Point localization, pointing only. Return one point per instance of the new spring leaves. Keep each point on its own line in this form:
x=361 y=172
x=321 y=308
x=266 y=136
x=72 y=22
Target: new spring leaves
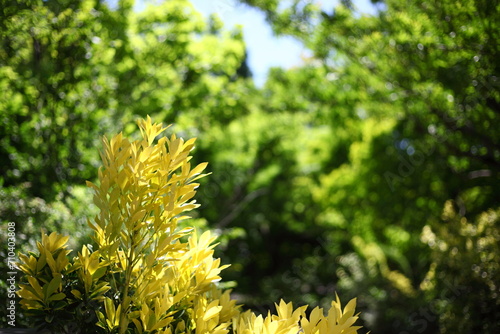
x=144 y=190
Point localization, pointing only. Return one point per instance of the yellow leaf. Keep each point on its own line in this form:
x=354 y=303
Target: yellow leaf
x=28 y=293
x=138 y=326
x=198 y=169
x=349 y=309
x=212 y=311
x=138 y=215
x=51 y=262
x=76 y=293
x=93 y=265
x=109 y=306
x=37 y=289
x=162 y=323
x=56 y=241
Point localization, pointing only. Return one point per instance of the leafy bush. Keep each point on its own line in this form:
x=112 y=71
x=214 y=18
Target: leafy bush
x=465 y=268
x=27 y=213
x=148 y=273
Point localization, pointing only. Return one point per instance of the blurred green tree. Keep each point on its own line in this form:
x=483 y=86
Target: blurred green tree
x=408 y=103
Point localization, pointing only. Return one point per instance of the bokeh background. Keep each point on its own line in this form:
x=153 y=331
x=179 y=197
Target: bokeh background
x=354 y=145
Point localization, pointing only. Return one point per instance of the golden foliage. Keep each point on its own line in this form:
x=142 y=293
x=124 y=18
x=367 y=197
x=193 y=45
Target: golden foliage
x=143 y=276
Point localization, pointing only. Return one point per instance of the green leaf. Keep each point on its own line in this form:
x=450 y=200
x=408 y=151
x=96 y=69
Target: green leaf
x=50 y=288
x=58 y=296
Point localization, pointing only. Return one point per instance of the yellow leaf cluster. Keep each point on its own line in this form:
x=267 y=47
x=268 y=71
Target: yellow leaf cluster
x=144 y=188
x=41 y=291
x=290 y=321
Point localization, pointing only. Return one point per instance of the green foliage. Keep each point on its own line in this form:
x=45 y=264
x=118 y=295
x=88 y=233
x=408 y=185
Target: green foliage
x=456 y=244
x=406 y=101
x=325 y=179
x=52 y=102
x=71 y=73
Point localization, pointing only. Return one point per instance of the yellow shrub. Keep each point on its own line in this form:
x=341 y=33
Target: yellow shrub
x=142 y=277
